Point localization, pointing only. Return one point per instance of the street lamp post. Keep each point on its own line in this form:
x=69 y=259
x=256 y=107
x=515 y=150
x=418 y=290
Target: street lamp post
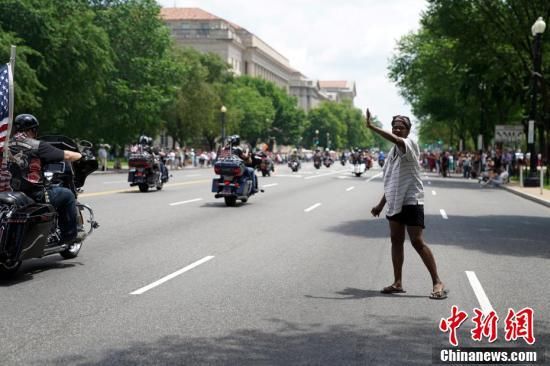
x=223 y=110
x=328 y=140
x=316 y=138
x=537 y=30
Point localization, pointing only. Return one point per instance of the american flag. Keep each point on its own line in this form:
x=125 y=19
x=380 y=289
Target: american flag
x=5 y=78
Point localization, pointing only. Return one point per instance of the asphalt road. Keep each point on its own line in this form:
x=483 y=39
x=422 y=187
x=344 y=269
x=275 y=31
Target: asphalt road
x=291 y=277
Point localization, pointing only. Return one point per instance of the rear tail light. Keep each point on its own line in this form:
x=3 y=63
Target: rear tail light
x=217 y=169
x=236 y=171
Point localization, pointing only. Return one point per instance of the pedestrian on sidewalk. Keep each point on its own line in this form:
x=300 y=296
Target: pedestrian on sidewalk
x=404 y=194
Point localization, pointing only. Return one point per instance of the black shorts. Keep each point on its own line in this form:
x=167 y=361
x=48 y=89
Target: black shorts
x=410 y=215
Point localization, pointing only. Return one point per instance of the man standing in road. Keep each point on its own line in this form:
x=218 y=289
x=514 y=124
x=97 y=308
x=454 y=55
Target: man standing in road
x=404 y=194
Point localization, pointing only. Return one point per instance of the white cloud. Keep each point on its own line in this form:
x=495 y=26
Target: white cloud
x=328 y=39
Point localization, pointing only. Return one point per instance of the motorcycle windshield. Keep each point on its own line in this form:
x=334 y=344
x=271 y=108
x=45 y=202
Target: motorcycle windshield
x=83 y=167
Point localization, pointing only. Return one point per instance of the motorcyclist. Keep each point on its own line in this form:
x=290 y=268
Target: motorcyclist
x=146 y=144
x=357 y=156
x=294 y=157
x=317 y=156
x=244 y=154
x=28 y=157
x=343 y=158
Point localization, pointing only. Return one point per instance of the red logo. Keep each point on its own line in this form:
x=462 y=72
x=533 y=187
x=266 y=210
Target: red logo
x=517 y=325
x=486 y=326
x=520 y=325
x=452 y=323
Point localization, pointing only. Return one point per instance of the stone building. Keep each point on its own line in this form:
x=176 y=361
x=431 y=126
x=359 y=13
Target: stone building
x=338 y=90
x=246 y=53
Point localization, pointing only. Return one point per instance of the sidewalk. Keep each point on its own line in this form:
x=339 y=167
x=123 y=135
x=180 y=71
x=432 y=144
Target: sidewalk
x=530 y=193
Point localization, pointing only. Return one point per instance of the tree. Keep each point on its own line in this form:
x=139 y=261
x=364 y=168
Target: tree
x=144 y=79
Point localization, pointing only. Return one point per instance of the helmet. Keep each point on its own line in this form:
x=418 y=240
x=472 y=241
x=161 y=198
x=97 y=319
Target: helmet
x=326 y=148
x=25 y=122
x=235 y=140
x=144 y=140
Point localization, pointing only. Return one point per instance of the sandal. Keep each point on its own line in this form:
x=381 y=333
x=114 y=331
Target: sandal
x=392 y=290
x=439 y=295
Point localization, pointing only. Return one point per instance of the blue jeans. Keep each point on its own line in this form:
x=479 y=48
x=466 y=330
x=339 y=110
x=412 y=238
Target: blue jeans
x=65 y=204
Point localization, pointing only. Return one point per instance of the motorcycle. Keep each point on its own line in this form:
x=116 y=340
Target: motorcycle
x=294 y=165
x=317 y=162
x=328 y=162
x=233 y=184
x=359 y=167
x=29 y=229
x=343 y=160
x=145 y=171
x=265 y=165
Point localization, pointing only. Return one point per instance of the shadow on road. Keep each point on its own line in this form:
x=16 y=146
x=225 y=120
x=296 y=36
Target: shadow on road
x=388 y=340
x=358 y=294
x=521 y=236
x=35 y=266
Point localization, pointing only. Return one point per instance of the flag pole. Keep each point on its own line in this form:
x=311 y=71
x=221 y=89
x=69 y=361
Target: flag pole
x=11 y=100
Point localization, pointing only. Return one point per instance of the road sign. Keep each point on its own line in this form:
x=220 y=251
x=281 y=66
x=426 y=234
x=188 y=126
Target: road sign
x=508 y=133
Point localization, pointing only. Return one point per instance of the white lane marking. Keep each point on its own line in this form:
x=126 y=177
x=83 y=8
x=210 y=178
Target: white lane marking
x=270 y=185
x=312 y=207
x=350 y=189
x=434 y=193
x=324 y=175
x=343 y=177
x=480 y=294
x=429 y=182
x=191 y=175
x=184 y=202
x=115 y=182
x=374 y=176
x=443 y=214
x=170 y=276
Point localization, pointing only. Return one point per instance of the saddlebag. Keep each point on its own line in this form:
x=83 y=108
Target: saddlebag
x=25 y=232
x=229 y=167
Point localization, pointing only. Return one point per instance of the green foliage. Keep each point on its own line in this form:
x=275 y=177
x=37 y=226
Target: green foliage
x=469 y=67
x=288 y=120
x=344 y=124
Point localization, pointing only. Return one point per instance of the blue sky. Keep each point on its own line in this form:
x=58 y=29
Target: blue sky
x=330 y=40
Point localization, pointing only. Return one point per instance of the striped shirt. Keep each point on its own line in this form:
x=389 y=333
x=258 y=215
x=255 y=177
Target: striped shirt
x=402 y=183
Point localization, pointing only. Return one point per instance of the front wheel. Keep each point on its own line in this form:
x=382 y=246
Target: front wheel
x=143 y=187
x=7 y=271
x=159 y=185
x=230 y=201
x=72 y=251
x=357 y=174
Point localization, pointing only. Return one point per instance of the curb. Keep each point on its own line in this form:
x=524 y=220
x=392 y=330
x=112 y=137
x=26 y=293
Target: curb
x=528 y=196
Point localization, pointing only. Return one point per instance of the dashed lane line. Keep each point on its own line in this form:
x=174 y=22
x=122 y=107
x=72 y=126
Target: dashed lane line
x=270 y=185
x=312 y=207
x=170 y=276
x=443 y=214
x=434 y=193
x=350 y=189
x=484 y=302
x=184 y=202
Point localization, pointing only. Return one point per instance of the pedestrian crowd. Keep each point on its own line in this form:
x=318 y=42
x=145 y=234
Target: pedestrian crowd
x=493 y=166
